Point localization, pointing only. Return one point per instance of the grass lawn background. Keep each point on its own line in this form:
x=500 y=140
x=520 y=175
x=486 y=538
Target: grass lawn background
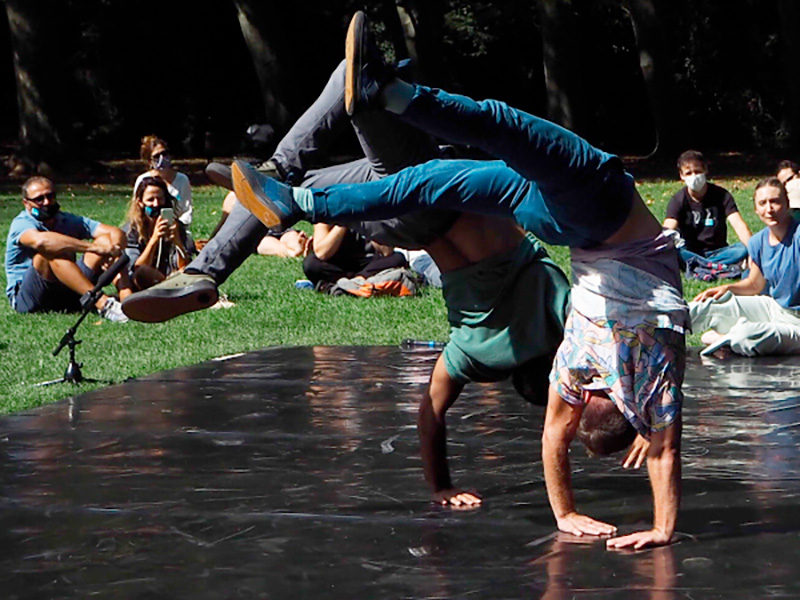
x=269 y=311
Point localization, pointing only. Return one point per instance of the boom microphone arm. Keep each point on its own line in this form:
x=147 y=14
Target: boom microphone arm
x=90 y=297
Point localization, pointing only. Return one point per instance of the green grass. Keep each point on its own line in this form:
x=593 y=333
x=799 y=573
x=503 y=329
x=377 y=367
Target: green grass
x=269 y=311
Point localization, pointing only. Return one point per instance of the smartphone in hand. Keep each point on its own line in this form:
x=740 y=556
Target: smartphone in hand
x=168 y=215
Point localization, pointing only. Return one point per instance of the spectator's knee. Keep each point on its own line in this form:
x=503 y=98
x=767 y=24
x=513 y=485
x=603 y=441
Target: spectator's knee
x=313 y=268
x=228 y=202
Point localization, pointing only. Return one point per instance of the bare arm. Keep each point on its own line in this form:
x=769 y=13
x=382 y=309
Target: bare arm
x=383 y=249
x=740 y=227
x=750 y=286
x=670 y=223
x=57 y=245
x=327 y=240
x=440 y=395
x=664 y=468
x=560 y=424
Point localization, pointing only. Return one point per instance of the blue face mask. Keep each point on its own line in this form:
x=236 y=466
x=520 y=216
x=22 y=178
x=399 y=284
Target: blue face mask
x=45 y=213
x=152 y=211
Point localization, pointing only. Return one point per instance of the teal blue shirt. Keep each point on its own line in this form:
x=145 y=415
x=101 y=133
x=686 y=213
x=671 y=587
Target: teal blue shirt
x=780 y=265
x=503 y=311
x=19 y=257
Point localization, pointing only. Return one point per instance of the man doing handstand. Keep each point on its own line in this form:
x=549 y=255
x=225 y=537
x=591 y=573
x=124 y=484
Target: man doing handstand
x=506 y=300
x=624 y=336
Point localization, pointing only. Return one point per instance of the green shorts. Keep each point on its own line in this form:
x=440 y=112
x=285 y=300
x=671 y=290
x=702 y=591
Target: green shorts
x=504 y=311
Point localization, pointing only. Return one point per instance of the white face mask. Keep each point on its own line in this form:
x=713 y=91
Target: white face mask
x=695 y=182
x=793 y=191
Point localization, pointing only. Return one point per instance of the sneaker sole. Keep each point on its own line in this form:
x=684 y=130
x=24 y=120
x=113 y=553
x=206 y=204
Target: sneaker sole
x=158 y=305
x=261 y=209
x=352 y=53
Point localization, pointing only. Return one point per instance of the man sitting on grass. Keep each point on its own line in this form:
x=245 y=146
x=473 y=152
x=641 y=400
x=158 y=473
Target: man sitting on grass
x=624 y=336
x=41 y=267
x=700 y=211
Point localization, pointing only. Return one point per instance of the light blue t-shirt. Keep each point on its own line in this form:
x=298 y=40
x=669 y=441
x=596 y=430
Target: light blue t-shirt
x=780 y=265
x=19 y=257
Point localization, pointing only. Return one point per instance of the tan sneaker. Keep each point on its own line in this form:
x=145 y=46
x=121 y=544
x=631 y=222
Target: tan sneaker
x=178 y=295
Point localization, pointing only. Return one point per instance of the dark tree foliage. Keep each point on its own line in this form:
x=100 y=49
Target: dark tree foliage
x=40 y=75
x=618 y=116
x=727 y=69
x=88 y=78
x=495 y=51
x=789 y=19
x=8 y=89
x=719 y=71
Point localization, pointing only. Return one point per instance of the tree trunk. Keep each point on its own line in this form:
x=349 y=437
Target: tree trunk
x=423 y=26
x=654 y=59
x=33 y=25
x=789 y=21
x=409 y=32
x=562 y=65
x=252 y=16
x=387 y=13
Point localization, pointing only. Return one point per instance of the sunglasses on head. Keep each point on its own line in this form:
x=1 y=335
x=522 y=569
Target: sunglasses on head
x=42 y=197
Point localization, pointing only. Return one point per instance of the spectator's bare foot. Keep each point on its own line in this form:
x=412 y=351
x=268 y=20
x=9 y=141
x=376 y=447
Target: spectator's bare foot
x=710 y=337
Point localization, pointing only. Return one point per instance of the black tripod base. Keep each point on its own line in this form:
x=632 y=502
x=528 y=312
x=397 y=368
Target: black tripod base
x=73 y=372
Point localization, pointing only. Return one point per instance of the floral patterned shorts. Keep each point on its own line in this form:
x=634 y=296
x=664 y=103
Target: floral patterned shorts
x=640 y=368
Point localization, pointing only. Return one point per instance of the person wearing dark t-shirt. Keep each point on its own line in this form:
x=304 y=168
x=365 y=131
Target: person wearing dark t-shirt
x=336 y=251
x=700 y=213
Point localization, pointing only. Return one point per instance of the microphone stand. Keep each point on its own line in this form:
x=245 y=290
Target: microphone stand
x=73 y=371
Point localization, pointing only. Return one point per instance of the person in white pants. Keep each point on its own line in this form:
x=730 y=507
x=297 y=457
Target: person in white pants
x=737 y=316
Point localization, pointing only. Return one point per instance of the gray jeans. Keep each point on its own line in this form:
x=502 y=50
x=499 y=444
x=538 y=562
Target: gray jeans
x=388 y=144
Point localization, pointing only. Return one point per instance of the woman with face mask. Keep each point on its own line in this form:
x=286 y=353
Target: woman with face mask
x=156 y=240
x=155 y=154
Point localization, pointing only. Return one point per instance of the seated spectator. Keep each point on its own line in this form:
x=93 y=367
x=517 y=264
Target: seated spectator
x=155 y=154
x=42 y=271
x=738 y=317
x=156 y=242
x=699 y=212
x=336 y=252
x=424 y=264
x=789 y=176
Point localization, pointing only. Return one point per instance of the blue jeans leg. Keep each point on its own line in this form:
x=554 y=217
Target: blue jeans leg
x=488 y=187
x=729 y=255
x=580 y=184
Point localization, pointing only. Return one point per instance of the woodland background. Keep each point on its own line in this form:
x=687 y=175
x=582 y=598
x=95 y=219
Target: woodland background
x=82 y=80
